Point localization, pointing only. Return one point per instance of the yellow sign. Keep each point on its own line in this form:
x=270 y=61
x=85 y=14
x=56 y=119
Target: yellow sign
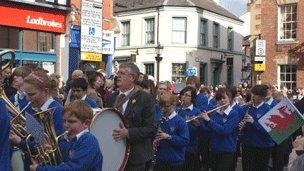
x=259 y=67
x=89 y=56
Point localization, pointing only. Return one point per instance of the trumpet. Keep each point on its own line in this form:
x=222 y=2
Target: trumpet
x=208 y=112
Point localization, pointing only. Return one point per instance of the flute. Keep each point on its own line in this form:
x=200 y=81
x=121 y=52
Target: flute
x=210 y=111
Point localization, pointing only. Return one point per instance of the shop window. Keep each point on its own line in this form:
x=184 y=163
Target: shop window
x=9 y=38
x=38 y=41
x=178 y=72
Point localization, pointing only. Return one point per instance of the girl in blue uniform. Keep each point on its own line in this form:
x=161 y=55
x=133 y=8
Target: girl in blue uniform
x=222 y=125
x=172 y=138
x=257 y=144
x=188 y=111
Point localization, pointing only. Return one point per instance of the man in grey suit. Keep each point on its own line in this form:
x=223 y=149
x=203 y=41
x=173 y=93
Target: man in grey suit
x=138 y=107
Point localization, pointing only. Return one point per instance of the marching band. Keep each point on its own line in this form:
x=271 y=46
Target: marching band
x=194 y=125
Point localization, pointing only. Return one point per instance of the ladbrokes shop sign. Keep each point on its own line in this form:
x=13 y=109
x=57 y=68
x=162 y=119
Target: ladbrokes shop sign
x=32 y=18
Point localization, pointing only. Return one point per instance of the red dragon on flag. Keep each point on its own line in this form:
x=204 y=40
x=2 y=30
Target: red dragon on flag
x=281 y=121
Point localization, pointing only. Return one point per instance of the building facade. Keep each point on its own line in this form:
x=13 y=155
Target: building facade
x=197 y=35
x=34 y=29
x=282 y=26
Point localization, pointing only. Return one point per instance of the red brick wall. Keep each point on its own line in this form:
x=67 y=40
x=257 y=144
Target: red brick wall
x=269 y=26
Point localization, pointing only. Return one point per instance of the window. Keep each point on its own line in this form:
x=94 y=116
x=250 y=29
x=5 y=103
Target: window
x=178 y=72
x=125 y=35
x=258 y=16
x=288 y=22
x=288 y=76
x=230 y=71
x=42 y=41
x=149 y=31
x=9 y=37
x=179 y=29
x=149 y=68
x=257 y=27
x=230 y=39
x=204 y=32
x=216 y=35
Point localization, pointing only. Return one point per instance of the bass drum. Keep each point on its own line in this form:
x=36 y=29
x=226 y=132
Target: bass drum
x=115 y=153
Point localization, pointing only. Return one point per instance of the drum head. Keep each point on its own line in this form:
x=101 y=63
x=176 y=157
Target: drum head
x=115 y=153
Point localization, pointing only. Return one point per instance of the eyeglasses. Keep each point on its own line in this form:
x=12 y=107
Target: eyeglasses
x=123 y=73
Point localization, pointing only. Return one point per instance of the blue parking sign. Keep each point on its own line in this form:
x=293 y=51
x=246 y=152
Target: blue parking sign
x=191 y=72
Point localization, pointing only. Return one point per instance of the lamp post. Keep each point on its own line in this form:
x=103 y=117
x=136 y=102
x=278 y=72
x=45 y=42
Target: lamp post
x=158 y=58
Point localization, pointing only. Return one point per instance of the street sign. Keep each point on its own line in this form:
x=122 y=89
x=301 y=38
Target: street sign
x=107 y=42
x=260 y=58
x=260 y=47
x=91 y=30
x=259 y=67
x=191 y=71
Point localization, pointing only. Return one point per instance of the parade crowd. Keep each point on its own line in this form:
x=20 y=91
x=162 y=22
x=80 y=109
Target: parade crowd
x=197 y=128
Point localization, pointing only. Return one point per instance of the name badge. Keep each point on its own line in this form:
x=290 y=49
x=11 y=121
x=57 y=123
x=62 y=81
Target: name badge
x=224 y=120
x=172 y=129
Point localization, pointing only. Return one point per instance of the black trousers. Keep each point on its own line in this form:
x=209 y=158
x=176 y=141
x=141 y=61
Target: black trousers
x=167 y=166
x=222 y=161
x=203 y=148
x=192 y=162
x=280 y=153
x=255 y=159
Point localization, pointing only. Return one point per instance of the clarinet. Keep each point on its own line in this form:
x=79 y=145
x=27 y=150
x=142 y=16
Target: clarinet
x=156 y=142
x=242 y=124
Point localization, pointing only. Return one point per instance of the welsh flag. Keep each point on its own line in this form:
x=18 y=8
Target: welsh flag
x=282 y=120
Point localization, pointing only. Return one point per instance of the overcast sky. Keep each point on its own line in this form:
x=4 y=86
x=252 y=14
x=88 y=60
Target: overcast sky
x=237 y=7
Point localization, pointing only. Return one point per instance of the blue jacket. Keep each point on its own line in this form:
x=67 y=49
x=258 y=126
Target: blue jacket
x=223 y=131
x=192 y=147
x=91 y=102
x=173 y=150
x=78 y=155
x=4 y=141
x=212 y=103
x=16 y=99
x=254 y=135
x=201 y=102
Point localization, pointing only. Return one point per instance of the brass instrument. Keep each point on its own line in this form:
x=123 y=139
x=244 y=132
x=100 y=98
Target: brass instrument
x=210 y=111
x=46 y=154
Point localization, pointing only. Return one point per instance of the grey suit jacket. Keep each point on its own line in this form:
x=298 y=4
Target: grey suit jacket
x=141 y=118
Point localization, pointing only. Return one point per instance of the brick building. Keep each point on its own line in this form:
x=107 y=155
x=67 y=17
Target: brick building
x=282 y=26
